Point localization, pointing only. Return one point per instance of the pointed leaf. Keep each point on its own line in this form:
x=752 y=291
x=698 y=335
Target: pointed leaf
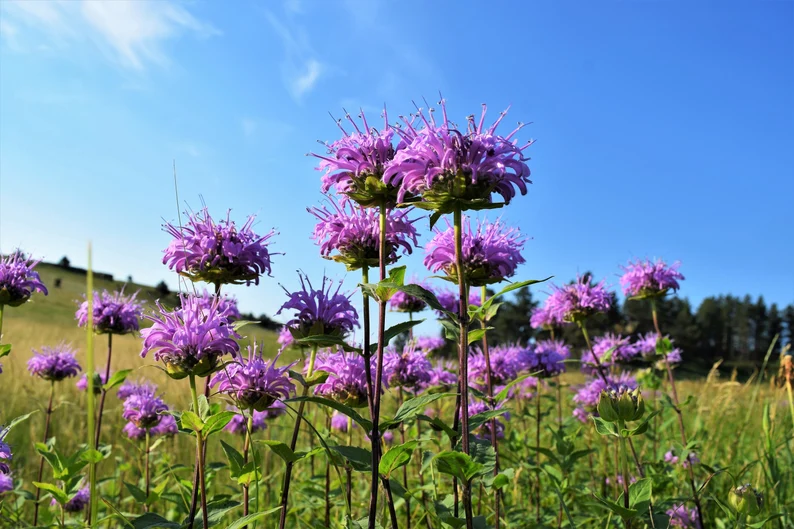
x=116 y=378
x=396 y=457
x=59 y=495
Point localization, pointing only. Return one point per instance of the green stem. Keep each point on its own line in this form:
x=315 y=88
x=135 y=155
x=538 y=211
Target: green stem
x=41 y=463
x=624 y=463
x=200 y=455
x=249 y=426
x=463 y=357
x=489 y=388
x=147 y=474
x=90 y=396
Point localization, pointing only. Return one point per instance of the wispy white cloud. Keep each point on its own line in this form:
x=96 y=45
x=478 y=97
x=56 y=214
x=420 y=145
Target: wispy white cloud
x=300 y=69
x=131 y=33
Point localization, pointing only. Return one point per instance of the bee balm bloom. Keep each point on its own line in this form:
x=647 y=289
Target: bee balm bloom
x=346 y=382
x=218 y=253
x=18 y=280
x=351 y=235
x=575 y=302
x=190 y=339
x=54 y=363
x=319 y=312
x=451 y=168
x=113 y=313
x=491 y=253
x=254 y=383
x=409 y=369
x=642 y=279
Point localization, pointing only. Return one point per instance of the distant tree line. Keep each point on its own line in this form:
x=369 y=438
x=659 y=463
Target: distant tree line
x=738 y=330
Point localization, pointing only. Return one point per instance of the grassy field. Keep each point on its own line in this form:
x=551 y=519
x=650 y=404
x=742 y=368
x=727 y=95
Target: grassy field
x=724 y=418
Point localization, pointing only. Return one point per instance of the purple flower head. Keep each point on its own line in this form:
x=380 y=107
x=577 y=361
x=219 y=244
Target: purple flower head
x=646 y=346
x=670 y=458
x=402 y=302
x=577 y=301
x=285 y=338
x=5 y=449
x=610 y=349
x=190 y=339
x=543 y=318
x=18 y=280
x=526 y=389
x=239 y=423
x=680 y=516
x=429 y=344
x=218 y=253
x=99 y=380
x=351 y=235
x=319 y=312
x=449 y=301
x=346 y=382
x=484 y=431
x=355 y=164
x=254 y=382
x=608 y=479
x=77 y=502
x=6 y=482
x=506 y=362
x=54 y=363
x=166 y=427
x=130 y=388
x=227 y=305
x=339 y=422
x=114 y=313
x=144 y=411
x=491 y=253
x=546 y=358
x=451 y=168
x=587 y=395
x=409 y=369
x=443 y=376
x=642 y=279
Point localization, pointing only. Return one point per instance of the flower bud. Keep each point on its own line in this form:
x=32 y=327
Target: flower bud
x=631 y=406
x=746 y=500
x=606 y=406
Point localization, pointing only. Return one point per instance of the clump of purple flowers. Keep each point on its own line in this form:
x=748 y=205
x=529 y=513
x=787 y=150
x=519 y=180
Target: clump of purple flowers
x=129 y=388
x=99 y=380
x=351 y=235
x=77 y=502
x=402 y=302
x=491 y=253
x=339 y=422
x=646 y=346
x=18 y=280
x=355 y=164
x=506 y=363
x=239 y=423
x=319 y=312
x=166 y=427
x=144 y=410
x=54 y=363
x=451 y=168
x=6 y=481
x=429 y=344
x=218 y=253
x=672 y=459
x=443 y=376
x=587 y=395
x=190 y=339
x=227 y=305
x=610 y=349
x=254 y=383
x=644 y=278
x=543 y=318
x=409 y=369
x=285 y=338
x=575 y=302
x=114 y=313
x=546 y=359
x=346 y=382
x=680 y=516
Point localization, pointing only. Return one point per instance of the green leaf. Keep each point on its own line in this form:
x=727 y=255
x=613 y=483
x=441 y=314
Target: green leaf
x=5 y=349
x=59 y=495
x=500 y=481
x=192 y=421
x=505 y=392
x=246 y=520
x=360 y=459
x=217 y=422
x=324 y=340
x=412 y=407
x=154 y=494
x=616 y=508
x=19 y=419
x=759 y=525
x=438 y=423
x=117 y=378
x=318 y=377
x=603 y=427
x=92 y=456
x=136 y=492
x=476 y=335
x=234 y=457
x=53 y=458
x=204 y=407
x=282 y=450
x=395 y=330
x=457 y=464
x=151 y=520
x=642 y=427
x=396 y=457
x=511 y=287
x=475 y=421
x=640 y=491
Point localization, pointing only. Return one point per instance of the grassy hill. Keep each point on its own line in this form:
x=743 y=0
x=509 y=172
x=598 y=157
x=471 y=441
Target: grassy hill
x=49 y=320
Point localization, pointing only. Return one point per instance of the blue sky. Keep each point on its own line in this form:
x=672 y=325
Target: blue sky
x=663 y=128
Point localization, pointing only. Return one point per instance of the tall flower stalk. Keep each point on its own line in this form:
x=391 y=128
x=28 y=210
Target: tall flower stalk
x=489 y=392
